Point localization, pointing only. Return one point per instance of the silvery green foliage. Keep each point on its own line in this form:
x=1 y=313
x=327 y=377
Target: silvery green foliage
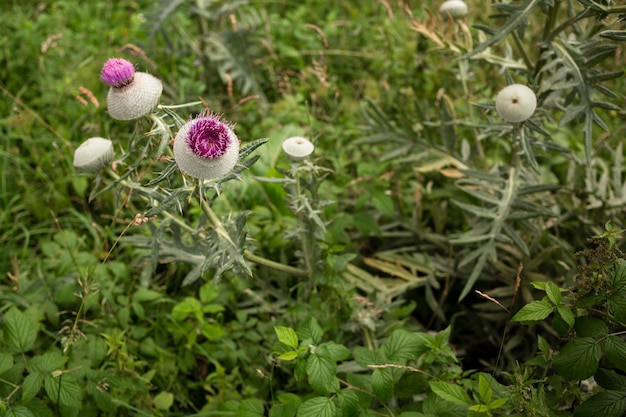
x=508 y=207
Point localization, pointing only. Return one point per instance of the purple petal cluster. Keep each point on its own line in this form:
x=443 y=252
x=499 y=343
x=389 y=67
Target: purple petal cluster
x=117 y=72
x=209 y=137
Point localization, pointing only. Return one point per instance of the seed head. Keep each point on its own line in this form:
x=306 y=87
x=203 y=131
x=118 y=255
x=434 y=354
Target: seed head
x=93 y=154
x=516 y=103
x=453 y=8
x=298 y=148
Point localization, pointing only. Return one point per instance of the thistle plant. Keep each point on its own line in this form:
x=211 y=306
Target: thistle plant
x=206 y=153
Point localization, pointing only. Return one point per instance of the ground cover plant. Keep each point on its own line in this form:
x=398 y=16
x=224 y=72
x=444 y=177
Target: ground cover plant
x=244 y=208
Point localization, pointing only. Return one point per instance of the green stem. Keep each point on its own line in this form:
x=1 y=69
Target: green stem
x=307 y=232
x=219 y=227
x=179 y=106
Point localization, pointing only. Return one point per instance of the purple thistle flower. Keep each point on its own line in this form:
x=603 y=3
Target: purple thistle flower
x=206 y=147
x=132 y=94
x=117 y=72
x=209 y=137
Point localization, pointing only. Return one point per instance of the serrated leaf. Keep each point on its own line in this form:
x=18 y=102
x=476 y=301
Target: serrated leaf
x=348 y=402
x=63 y=390
x=20 y=332
x=46 y=363
x=382 y=384
x=450 y=392
x=402 y=346
x=31 y=386
x=310 y=331
x=533 y=311
x=578 y=359
x=603 y=404
x=336 y=351
x=317 y=407
x=609 y=380
x=251 y=407
x=615 y=352
x=321 y=370
x=553 y=292
x=19 y=411
x=587 y=326
x=6 y=362
x=484 y=389
x=566 y=314
x=365 y=357
x=287 y=336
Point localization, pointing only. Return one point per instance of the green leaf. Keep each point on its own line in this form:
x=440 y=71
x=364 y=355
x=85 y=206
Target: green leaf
x=382 y=384
x=288 y=356
x=189 y=306
x=283 y=410
x=6 y=362
x=617 y=306
x=603 y=404
x=20 y=332
x=348 y=402
x=63 y=390
x=310 y=331
x=365 y=357
x=163 y=400
x=450 y=392
x=578 y=359
x=495 y=404
x=31 y=386
x=19 y=411
x=287 y=336
x=609 y=380
x=336 y=351
x=533 y=311
x=615 y=351
x=251 y=407
x=553 y=292
x=317 y=407
x=46 y=363
x=321 y=370
x=402 y=346
x=566 y=314
x=587 y=326
x=485 y=391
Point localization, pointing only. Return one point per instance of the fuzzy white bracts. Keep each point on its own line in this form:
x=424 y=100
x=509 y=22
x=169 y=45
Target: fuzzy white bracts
x=132 y=94
x=516 y=103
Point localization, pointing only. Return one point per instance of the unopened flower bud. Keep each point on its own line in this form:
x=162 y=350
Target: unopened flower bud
x=206 y=147
x=453 y=8
x=516 y=103
x=93 y=154
x=132 y=94
x=298 y=148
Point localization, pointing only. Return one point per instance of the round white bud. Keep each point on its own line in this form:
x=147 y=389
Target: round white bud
x=516 y=103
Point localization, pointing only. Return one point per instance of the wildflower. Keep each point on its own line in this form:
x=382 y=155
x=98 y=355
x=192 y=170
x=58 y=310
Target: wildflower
x=132 y=94
x=298 y=148
x=453 y=8
x=516 y=103
x=206 y=147
x=93 y=154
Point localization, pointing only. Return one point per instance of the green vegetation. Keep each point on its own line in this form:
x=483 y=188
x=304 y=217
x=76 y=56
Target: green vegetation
x=428 y=259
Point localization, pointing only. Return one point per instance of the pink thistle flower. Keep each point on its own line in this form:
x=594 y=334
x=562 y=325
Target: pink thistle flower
x=206 y=147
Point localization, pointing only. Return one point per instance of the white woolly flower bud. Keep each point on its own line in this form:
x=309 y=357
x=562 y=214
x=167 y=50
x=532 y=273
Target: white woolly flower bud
x=93 y=154
x=298 y=148
x=206 y=147
x=516 y=103
x=132 y=94
x=453 y=8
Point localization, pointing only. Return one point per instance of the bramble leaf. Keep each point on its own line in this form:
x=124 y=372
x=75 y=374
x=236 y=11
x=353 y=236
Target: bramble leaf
x=20 y=332
x=533 y=311
x=402 y=346
x=317 y=407
x=603 y=404
x=450 y=392
x=321 y=370
x=287 y=336
x=615 y=351
x=310 y=330
x=578 y=359
x=382 y=384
